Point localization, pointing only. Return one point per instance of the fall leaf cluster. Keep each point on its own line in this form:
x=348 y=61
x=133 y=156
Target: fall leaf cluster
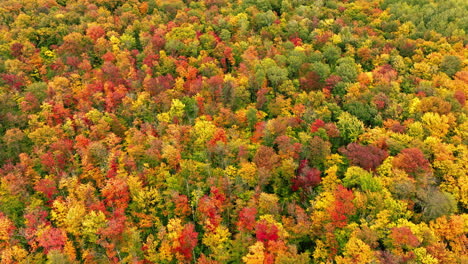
x=233 y=131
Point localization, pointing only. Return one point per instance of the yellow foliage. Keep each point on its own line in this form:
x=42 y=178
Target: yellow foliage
x=282 y=233
x=320 y=252
x=356 y=251
x=330 y=181
x=14 y=254
x=231 y=172
x=248 y=173
x=268 y=203
x=151 y=254
x=5 y=226
x=452 y=230
x=423 y=257
x=438 y=125
x=463 y=185
x=256 y=254
x=217 y=242
x=92 y=223
x=202 y=131
x=416 y=130
x=70 y=250
x=177 y=108
x=414 y=105
x=59 y=212
x=165 y=253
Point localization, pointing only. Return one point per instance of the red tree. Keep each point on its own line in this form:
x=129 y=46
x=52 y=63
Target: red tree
x=342 y=207
x=188 y=241
x=265 y=231
x=411 y=160
x=247 y=219
x=307 y=177
x=368 y=157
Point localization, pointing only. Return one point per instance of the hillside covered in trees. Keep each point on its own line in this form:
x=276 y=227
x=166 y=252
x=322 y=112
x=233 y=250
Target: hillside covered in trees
x=233 y=131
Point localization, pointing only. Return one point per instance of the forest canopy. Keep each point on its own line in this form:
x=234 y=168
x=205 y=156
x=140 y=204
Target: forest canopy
x=233 y=131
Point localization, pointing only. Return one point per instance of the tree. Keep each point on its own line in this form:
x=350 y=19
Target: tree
x=342 y=207
x=356 y=251
x=412 y=161
x=450 y=65
x=306 y=178
x=246 y=220
x=265 y=231
x=51 y=239
x=187 y=242
x=266 y=158
x=256 y=254
x=347 y=69
x=365 y=112
x=350 y=127
x=368 y=157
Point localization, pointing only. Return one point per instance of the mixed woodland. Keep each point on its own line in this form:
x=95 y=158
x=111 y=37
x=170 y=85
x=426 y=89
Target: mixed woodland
x=233 y=131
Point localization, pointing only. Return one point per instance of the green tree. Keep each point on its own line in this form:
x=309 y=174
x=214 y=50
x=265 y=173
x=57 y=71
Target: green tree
x=450 y=65
x=350 y=127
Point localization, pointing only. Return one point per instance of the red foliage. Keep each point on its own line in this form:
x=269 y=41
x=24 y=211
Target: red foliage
x=210 y=208
x=332 y=130
x=265 y=231
x=311 y=81
x=342 y=206
x=404 y=237
x=47 y=187
x=367 y=157
x=460 y=97
x=16 y=49
x=215 y=86
x=182 y=206
x=266 y=158
x=411 y=160
x=158 y=39
x=258 y=134
x=188 y=241
x=113 y=167
x=324 y=37
x=219 y=136
x=247 y=219
x=307 y=177
x=7 y=229
x=109 y=56
x=330 y=83
x=114 y=95
x=30 y=102
x=204 y=260
x=13 y=80
x=193 y=86
x=316 y=125
x=53 y=161
x=385 y=74
x=116 y=194
x=73 y=61
x=52 y=239
x=95 y=32
x=262 y=97
x=296 y=41
x=115 y=225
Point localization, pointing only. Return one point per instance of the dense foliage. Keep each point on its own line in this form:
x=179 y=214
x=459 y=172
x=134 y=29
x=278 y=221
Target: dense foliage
x=233 y=131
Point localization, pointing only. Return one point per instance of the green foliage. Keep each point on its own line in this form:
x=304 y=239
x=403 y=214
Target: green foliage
x=358 y=177
x=364 y=112
x=347 y=69
x=350 y=127
x=450 y=65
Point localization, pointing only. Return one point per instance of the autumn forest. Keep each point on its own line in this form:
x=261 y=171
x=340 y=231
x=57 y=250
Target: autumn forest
x=233 y=131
